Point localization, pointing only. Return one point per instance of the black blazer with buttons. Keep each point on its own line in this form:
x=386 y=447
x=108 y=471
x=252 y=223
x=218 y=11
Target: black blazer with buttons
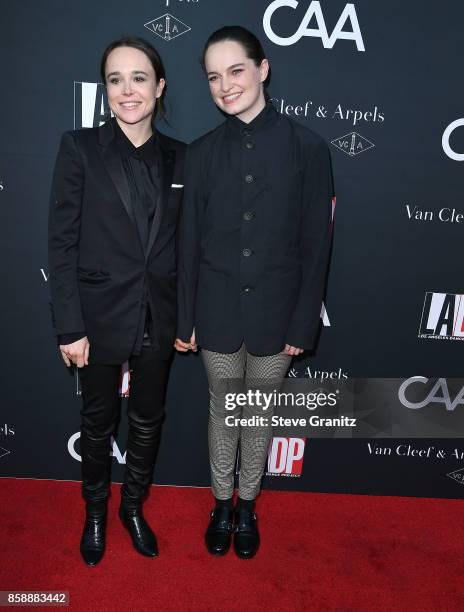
x=98 y=266
x=255 y=235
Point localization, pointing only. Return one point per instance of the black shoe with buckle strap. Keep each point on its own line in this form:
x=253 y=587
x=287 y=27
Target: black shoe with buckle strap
x=246 y=537
x=219 y=533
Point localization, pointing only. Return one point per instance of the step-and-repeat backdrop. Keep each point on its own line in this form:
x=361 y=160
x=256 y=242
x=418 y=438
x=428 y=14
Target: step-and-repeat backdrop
x=382 y=83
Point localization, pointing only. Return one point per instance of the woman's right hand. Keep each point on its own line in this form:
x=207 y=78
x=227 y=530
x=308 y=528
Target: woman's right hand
x=183 y=347
x=77 y=352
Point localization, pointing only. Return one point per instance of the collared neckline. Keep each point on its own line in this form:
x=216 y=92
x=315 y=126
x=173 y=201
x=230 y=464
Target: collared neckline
x=128 y=149
x=267 y=115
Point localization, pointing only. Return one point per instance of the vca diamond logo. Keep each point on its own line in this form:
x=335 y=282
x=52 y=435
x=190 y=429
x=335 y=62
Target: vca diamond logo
x=4 y=452
x=352 y=144
x=167 y=27
x=457 y=476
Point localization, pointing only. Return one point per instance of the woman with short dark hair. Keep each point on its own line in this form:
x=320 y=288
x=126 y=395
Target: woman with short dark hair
x=115 y=199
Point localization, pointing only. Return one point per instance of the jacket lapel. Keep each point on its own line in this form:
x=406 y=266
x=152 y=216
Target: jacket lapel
x=112 y=160
x=167 y=158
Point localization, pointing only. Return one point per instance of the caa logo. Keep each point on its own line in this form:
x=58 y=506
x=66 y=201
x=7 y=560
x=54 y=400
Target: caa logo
x=91 y=107
x=445 y=141
x=116 y=453
x=314 y=10
x=442 y=316
x=285 y=457
x=439 y=394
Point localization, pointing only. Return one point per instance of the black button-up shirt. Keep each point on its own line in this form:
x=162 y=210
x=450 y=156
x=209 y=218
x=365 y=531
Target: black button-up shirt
x=255 y=235
x=141 y=168
x=142 y=172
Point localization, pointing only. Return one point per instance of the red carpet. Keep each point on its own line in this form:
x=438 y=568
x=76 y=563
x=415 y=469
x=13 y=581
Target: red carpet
x=318 y=552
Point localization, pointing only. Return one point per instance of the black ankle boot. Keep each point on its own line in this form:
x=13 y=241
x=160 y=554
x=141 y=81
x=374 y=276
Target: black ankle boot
x=246 y=538
x=219 y=532
x=143 y=538
x=93 y=538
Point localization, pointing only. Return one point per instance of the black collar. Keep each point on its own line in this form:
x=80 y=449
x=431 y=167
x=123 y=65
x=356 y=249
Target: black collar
x=146 y=151
x=266 y=116
x=107 y=133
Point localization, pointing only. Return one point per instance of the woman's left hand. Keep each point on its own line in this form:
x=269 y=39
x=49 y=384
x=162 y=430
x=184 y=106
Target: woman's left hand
x=293 y=350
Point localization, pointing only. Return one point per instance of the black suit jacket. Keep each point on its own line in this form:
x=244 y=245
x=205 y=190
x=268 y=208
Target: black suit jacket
x=98 y=267
x=255 y=235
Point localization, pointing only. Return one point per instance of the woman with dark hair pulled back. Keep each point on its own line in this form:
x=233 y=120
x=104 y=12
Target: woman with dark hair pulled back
x=116 y=194
x=253 y=259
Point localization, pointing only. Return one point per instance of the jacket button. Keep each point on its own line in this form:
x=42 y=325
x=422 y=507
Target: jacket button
x=249 y=178
x=246 y=252
x=248 y=216
x=249 y=144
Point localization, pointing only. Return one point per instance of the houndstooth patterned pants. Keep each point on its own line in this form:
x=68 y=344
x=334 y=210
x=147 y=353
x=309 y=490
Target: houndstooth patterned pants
x=238 y=372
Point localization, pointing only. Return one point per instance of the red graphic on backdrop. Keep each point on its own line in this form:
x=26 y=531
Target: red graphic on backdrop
x=285 y=457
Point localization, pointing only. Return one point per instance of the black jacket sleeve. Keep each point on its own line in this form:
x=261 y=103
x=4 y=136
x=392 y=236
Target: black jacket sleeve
x=70 y=338
x=63 y=237
x=315 y=239
x=189 y=246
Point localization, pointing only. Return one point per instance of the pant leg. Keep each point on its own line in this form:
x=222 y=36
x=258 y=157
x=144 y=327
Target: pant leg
x=148 y=381
x=224 y=371
x=101 y=406
x=265 y=373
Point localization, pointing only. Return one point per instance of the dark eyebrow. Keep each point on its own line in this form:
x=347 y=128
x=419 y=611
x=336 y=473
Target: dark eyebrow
x=229 y=68
x=133 y=72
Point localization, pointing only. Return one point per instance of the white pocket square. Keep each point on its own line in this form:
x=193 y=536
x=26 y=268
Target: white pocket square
x=176 y=186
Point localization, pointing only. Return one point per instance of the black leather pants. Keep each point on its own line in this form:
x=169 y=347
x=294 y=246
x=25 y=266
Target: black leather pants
x=99 y=416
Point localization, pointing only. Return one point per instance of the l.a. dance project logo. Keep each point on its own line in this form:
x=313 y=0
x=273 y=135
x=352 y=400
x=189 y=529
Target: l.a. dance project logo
x=314 y=11
x=285 y=457
x=442 y=316
x=91 y=108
